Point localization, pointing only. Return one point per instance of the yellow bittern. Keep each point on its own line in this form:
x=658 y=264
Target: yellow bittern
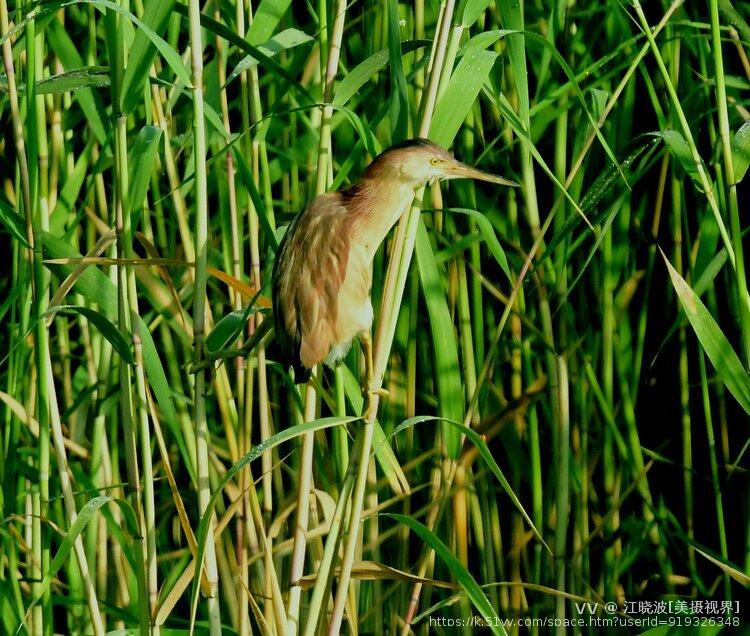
x=323 y=269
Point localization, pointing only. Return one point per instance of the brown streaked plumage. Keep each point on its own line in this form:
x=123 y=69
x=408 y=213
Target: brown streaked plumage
x=323 y=269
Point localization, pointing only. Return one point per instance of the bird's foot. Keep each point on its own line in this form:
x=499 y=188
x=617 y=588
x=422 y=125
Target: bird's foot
x=369 y=402
x=381 y=392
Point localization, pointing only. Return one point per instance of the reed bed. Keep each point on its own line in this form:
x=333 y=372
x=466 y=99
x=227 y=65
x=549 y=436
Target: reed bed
x=565 y=430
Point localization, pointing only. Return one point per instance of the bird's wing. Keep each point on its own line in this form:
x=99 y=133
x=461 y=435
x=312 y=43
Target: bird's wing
x=308 y=274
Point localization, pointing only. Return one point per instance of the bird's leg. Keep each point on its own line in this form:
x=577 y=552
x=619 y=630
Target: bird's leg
x=368 y=390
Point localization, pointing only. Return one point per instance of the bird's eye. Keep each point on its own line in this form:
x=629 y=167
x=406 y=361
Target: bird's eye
x=434 y=161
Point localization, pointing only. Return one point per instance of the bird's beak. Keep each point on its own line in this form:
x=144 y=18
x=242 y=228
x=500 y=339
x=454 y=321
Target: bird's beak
x=458 y=170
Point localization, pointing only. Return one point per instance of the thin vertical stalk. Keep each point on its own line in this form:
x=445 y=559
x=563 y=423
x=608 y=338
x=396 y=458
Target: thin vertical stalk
x=145 y=504
x=134 y=415
x=715 y=482
x=537 y=497
x=418 y=35
x=149 y=513
x=15 y=114
x=260 y=160
x=40 y=222
x=563 y=433
x=334 y=51
x=516 y=388
x=563 y=489
x=127 y=408
x=325 y=573
x=734 y=213
x=261 y=177
x=613 y=552
x=303 y=514
x=70 y=505
x=199 y=309
x=245 y=532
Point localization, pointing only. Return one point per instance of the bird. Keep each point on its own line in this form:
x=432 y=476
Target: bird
x=323 y=269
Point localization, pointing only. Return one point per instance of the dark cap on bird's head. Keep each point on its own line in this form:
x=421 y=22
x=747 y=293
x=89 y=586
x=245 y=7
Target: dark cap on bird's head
x=420 y=161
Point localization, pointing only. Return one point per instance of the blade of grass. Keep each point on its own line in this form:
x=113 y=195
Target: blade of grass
x=712 y=339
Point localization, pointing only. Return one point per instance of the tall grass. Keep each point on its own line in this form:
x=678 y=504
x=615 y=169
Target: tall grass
x=566 y=365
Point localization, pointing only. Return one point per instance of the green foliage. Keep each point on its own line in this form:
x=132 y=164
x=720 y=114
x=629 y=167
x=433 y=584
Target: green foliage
x=714 y=342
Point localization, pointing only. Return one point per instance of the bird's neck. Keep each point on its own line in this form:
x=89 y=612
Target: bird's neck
x=377 y=209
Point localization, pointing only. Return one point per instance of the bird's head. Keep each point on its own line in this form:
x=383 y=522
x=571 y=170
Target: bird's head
x=419 y=161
